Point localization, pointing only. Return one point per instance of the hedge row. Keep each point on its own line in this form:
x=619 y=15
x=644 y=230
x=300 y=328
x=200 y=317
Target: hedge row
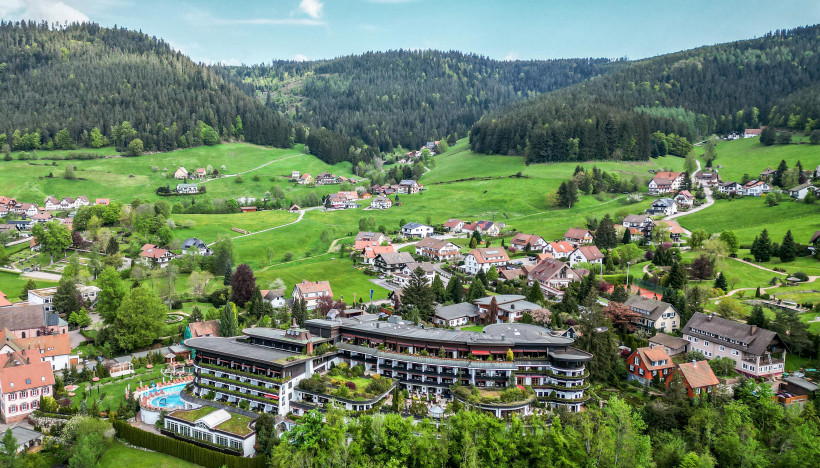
x=183 y=450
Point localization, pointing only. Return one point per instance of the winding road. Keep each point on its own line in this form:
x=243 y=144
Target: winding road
x=251 y=170
x=709 y=201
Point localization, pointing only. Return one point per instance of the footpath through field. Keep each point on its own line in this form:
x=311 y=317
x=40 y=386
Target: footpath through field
x=301 y=215
x=255 y=168
x=709 y=201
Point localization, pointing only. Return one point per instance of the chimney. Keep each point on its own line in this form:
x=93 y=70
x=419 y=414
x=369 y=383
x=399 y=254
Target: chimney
x=754 y=329
x=709 y=317
x=694 y=363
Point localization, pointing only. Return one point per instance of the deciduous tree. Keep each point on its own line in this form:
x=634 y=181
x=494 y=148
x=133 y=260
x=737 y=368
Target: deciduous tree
x=243 y=283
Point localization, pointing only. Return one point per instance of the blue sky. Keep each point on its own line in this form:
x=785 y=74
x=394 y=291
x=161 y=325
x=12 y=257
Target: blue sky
x=246 y=31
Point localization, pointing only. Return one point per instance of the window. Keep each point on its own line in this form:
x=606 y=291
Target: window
x=23 y=394
x=35 y=404
x=23 y=406
x=640 y=371
x=12 y=396
x=695 y=340
x=705 y=343
x=35 y=392
x=697 y=391
x=722 y=348
x=13 y=409
x=735 y=352
x=631 y=368
x=222 y=440
x=46 y=390
x=236 y=444
x=637 y=361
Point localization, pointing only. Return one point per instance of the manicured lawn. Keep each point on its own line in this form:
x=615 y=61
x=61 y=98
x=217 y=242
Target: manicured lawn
x=12 y=284
x=118 y=456
x=748 y=156
x=209 y=227
x=747 y=217
x=193 y=415
x=739 y=274
x=114 y=389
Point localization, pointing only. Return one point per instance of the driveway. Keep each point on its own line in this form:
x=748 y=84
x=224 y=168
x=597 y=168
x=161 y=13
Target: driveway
x=42 y=275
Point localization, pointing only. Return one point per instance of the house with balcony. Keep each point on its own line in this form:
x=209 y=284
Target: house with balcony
x=437 y=249
x=528 y=242
x=554 y=276
x=484 y=259
x=392 y=262
x=409 y=187
x=663 y=206
x=416 y=230
x=578 y=236
x=647 y=364
x=653 y=315
x=666 y=182
x=586 y=254
x=757 y=352
x=311 y=292
x=24 y=378
x=150 y=254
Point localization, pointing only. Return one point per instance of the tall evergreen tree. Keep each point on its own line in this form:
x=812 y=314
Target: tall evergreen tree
x=605 y=236
x=721 y=283
x=476 y=291
x=677 y=277
x=762 y=247
x=438 y=289
x=419 y=295
x=65 y=298
x=455 y=289
x=535 y=295
x=788 y=248
x=228 y=321
x=757 y=317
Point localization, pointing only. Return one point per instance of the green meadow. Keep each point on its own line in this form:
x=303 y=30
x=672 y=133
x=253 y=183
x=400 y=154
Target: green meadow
x=748 y=156
x=11 y=284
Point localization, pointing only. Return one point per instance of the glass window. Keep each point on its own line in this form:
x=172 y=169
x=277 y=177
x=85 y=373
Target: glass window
x=13 y=409
x=23 y=406
x=236 y=444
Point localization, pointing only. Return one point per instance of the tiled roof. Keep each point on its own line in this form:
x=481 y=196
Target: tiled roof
x=20 y=372
x=590 y=252
x=757 y=342
x=671 y=342
x=490 y=255
x=376 y=250
x=698 y=374
x=451 y=223
x=655 y=308
x=3 y=301
x=650 y=355
x=524 y=239
x=210 y=327
x=395 y=258
x=576 y=233
x=306 y=287
x=22 y=317
x=432 y=243
x=52 y=345
x=562 y=247
x=455 y=311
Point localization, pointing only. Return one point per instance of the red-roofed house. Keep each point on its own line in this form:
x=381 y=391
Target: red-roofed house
x=3 y=301
x=483 y=259
x=370 y=253
x=665 y=182
x=437 y=249
x=586 y=253
x=311 y=292
x=102 y=201
x=523 y=241
x=697 y=376
x=24 y=378
x=199 y=329
x=454 y=225
x=752 y=132
x=644 y=364
x=201 y=172
x=153 y=254
x=554 y=276
x=684 y=198
x=54 y=349
x=578 y=236
x=560 y=249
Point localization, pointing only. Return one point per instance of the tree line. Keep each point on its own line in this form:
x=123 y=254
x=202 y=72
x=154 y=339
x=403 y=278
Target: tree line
x=714 y=89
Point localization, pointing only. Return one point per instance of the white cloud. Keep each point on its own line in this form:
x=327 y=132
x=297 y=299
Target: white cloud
x=41 y=10
x=300 y=58
x=511 y=55
x=312 y=8
x=200 y=17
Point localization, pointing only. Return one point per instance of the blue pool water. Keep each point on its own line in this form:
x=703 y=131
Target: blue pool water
x=170 y=399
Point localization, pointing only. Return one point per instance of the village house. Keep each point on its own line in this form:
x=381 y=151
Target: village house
x=437 y=249
x=757 y=352
x=528 y=242
x=554 y=276
x=665 y=182
x=646 y=364
x=153 y=255
x=392 y=262
x=68 y=203
x=343 y=200
x=707 y=178
x=482 y=227
x=195 y=246
x=41 y=217
x=409 y=186
x=369 y=253
x=52 y=203
x=483 y=259
x=311 y=292
x=578 y=236
x=181 y=173
x=402 y=278
x=653 y=315
x=275 y=297
x=325 y=179
x=730 y=187
x=214 y=427
x=381 y=203
x=685 y=199
x=45 y=296
x=369 y=239
x=814 y=241
x=27 y=209
x=637 y=221
x=187 y=188
x=675 y=229
x=697 y=377
x=672 y=345
x=102 y=202
x=27 y=320
x=800 y=192
x=201 y=173
x=755 y=188
x=7 y=201
x=511 y=308
x=586 y=253
x=768 y=174
x=455 y=315
x=559 y=249
x=305 y=179
x=81 y=201
x=752 y=132
x=454 y=225
x=53 y=349
x=294 y=175
x=663 y=206
x=416 y=230
x=208 y=328
x=23 y=380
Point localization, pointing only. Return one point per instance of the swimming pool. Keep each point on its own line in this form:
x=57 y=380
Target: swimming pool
x=170 y=398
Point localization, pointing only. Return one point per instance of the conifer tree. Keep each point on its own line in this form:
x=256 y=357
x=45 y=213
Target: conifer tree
x=438 y=289
x=762 y=247
x=605 y=236
x=788 y=249
x=476 y=290
x=721 y=283
x=455 y=290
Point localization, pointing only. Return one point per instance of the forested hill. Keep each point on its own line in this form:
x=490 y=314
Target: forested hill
x=85 y=76
x=405 y=97
x=714 y=89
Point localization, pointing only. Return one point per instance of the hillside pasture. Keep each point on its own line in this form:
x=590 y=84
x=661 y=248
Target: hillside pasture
x=749 y=156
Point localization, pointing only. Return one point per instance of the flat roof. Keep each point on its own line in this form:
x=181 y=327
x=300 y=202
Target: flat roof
x=232 y=347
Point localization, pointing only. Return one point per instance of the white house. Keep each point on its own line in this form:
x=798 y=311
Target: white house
x=311 y=292
x=484 y=259
x=752 y=132
x=380 y=203
x=685 y=198
x=665 y=182
x=559 y=249
x=454 y=225
x=187 y=188
x=801 y=191
x=416 y=230
x=52 y=203
x=455 y=315
x=23 y=380
x=409 y=186
x=53 y=349
x=523 y=241
x=68 y=203
x=28 y=209
x=664 y=206
x=195 y=246
x=437 y=249
x=153 y=254
x=586 y=253
x=637 y=221
x=654 y=315
x=82 y=200
x=755 y=188
x=276 y=297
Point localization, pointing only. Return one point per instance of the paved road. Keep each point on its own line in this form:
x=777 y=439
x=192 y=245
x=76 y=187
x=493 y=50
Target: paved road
x=255 y=168
x=42 y=275
x=709 y=202
x=301 y=215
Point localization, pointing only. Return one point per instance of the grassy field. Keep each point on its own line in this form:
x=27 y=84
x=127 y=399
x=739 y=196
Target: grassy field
x=748 y=156
x=747 y=217
x=118 y=455
x=209 y=227
x=12 y=285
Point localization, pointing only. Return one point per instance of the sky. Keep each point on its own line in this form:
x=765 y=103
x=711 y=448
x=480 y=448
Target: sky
x=249 y=31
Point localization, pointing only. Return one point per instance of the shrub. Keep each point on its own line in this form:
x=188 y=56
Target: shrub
x=802 y=276
x=378 y=386
x=351 y=385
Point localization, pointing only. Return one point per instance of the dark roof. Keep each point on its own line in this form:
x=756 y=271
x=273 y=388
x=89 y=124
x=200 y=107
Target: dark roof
x=193 y=241
x=725 y=329
x=396 y=258
x=814 y=237
x=802 y=383
x=463 y=309
x=234 y=348
x=655 y=308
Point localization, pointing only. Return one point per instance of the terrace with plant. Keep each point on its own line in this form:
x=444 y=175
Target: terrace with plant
x=493 y=396
x=347 y=382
